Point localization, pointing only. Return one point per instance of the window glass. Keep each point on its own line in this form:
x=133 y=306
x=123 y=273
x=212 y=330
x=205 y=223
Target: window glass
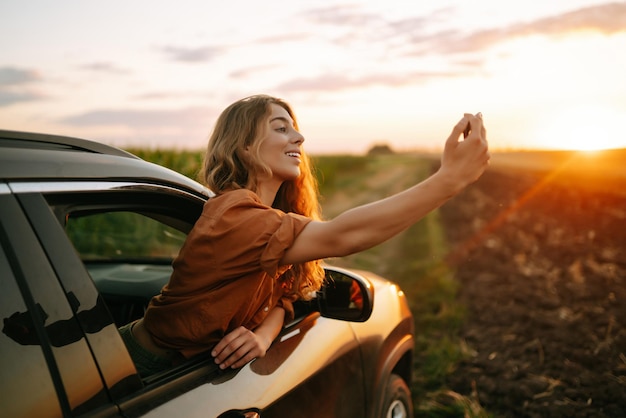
x=25 y=383
x=73 y=358
x=122 y=236
x=70 y=361
x=82 y=381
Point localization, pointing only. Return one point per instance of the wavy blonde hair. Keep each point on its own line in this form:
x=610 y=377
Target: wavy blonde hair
x=227 y=166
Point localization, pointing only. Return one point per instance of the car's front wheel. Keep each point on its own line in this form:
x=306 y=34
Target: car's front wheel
x=398 y=402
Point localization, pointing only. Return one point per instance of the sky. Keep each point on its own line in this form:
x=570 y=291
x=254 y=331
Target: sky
x=156 y=74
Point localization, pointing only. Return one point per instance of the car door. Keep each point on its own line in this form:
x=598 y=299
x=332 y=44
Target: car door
x=314 y=368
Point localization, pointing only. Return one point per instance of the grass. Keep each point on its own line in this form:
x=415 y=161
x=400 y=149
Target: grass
x=184 y=162
x=413 y=259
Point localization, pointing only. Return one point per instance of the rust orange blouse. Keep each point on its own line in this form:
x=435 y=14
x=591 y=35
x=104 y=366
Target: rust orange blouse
x=226 y=274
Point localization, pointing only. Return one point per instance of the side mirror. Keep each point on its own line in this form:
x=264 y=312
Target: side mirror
x=345 y=296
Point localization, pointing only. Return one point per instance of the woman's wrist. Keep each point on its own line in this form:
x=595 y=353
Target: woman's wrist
x=447 y=183
x=270 y=327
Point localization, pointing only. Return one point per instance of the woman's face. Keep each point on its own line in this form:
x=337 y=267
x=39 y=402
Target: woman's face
x=280 y=150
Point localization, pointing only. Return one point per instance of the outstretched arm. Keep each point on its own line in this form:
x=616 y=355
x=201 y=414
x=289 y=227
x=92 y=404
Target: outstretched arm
x=365 y=226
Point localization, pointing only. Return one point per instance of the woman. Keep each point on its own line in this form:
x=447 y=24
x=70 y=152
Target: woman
x=256 y=248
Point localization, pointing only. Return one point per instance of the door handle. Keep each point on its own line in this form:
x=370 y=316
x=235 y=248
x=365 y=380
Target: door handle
x=247 y=413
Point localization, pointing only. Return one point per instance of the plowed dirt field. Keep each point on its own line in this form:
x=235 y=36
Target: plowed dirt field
x=538 y=244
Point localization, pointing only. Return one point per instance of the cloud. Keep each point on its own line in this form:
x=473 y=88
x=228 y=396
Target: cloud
x=185 y=128
x=356 y=25
x=248 y=71
x=338 y=82
x=342 y=15
x=12 y=82
x=161 y=95
x=192 y=55
x=8 y=97
x=174 y=95
x=13 y=76
x=428 y=34
x=104 y=67
x=606 y=19
x=150 y=119
x=288 y=37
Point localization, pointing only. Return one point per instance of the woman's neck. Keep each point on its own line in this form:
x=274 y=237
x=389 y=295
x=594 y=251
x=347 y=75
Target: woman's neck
x=266 y=190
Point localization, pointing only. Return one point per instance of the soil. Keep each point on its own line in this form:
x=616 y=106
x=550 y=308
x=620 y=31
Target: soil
x=540 y=257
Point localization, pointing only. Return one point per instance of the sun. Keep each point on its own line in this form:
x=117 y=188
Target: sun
x=585 y=128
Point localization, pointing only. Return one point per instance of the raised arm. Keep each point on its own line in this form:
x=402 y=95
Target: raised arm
x=365 y=226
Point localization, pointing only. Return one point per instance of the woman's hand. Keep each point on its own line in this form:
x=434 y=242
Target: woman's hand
x=242 y=345
x=464 y=161
x=238 y=348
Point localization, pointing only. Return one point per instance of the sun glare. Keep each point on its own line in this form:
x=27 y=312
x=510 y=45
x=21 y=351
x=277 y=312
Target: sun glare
x=582 y=129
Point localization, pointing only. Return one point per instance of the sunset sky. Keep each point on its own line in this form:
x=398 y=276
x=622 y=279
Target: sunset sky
x=153 y=73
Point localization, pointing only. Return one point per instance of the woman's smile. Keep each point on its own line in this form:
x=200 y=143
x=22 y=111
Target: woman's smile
x=294 y=154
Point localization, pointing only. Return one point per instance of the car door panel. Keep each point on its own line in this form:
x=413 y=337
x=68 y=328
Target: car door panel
x=334 y=386
x=21 y=363
x=318 y=351
x=335 y=390
x=77 y=380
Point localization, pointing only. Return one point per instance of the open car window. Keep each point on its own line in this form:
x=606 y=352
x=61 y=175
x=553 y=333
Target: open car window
x=126 y=239
x=128 y=255
x=122 y=235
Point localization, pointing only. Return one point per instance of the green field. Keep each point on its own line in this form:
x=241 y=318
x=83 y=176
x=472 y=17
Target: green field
x=413 y=259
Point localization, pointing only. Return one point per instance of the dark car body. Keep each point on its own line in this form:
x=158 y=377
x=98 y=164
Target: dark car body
x=87 y=236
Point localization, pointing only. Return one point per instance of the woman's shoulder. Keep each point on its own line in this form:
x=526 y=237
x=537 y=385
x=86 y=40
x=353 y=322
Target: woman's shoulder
x=233 y=199
x=235 y=196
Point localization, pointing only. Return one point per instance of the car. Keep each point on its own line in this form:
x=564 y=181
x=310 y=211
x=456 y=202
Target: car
x=88 y=233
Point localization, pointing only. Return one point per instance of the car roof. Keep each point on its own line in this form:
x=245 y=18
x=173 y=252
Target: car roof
x=27 y=156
